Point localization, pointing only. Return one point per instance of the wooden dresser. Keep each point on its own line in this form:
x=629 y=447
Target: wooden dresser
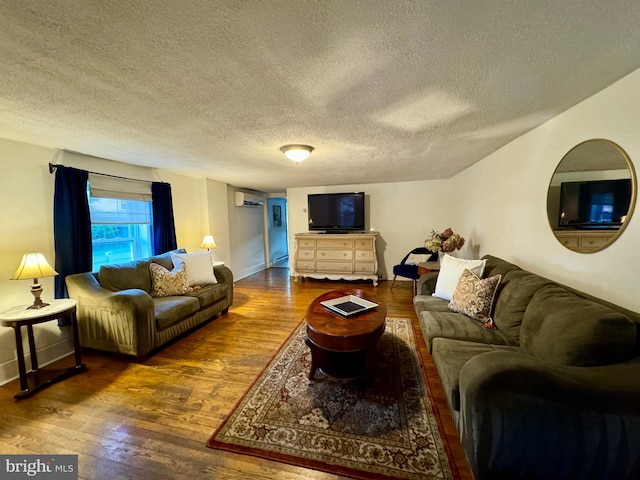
x=336 y=256
x=584 y=241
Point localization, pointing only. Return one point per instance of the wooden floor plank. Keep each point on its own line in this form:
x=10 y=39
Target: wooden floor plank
x=151 y=419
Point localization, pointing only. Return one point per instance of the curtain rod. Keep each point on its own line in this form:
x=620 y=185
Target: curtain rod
x=53 y=167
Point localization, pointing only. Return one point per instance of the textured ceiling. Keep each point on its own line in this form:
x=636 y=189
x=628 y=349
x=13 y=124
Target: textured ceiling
x=385 y=90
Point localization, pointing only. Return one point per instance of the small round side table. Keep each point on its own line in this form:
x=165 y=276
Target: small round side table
x=18 y=317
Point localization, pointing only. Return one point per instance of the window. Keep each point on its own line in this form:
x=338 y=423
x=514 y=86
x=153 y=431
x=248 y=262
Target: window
x=121 y=221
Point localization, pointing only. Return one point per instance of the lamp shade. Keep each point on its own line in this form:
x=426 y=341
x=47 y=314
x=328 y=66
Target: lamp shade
x=32 y=266
x=208 y=242
x=297 y=153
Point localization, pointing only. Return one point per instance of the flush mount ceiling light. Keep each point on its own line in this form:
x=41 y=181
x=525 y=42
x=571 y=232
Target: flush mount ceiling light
x=297 y=153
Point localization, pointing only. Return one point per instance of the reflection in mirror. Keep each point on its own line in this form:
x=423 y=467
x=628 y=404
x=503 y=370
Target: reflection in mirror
x=591 y=195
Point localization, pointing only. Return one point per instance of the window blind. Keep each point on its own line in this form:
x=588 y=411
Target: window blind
x=102 y=186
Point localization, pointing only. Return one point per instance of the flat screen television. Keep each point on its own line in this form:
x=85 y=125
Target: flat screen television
x=594 y=204
x=336 y=212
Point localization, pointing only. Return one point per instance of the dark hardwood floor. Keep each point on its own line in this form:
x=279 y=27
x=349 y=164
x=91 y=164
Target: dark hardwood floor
x=151 y=419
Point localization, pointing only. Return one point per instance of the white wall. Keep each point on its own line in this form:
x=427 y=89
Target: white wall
x=499 y=204
x=504 y=205
x=247 y=237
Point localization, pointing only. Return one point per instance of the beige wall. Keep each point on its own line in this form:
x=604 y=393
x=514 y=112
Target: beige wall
x=498 y=205
x=403 y=214
x=26 y=216
x=218 y=220
x=26 y=193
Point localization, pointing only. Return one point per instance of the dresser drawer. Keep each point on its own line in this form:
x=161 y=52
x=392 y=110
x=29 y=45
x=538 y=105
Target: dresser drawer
x=338 y=267
x=334 y=243
x=365 y=267
x=569 y=241
x=587 y=242
x=364 y=255
x=306 y=254
x=364 y=243
x=581 y=241
x=305 y=266
x=306 y=243
x=335 y=254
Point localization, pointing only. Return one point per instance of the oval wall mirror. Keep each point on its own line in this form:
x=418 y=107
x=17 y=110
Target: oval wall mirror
x=591 y=196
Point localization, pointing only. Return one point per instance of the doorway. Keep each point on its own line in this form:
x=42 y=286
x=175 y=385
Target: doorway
x=277 y=232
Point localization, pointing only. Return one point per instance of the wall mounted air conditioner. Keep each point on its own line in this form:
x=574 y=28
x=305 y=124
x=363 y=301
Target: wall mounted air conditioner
x=243 y=199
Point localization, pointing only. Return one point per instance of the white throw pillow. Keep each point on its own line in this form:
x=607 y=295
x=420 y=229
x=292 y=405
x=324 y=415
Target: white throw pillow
x=416 y=258
x=198 y=266
x=450 y=270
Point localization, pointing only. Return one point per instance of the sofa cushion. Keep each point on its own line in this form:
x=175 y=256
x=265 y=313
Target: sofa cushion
x=497 y=266
x=474 y=297
x=124 y=276
x=431 y=303
x=165 y=283
x=562 y=327
x=209 y=294
x=170 y=310
x=437 y=324
x=514 y=294
x=165 y=258
x=449 y=356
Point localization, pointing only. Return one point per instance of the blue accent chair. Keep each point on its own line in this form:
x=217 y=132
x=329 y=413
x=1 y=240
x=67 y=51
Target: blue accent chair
x=411 y=271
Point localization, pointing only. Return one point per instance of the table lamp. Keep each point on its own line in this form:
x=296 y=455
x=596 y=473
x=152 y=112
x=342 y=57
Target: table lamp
x=34 y=266
x=208 y=242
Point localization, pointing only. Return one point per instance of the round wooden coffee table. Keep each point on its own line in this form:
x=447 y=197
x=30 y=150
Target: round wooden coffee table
x=343 y=346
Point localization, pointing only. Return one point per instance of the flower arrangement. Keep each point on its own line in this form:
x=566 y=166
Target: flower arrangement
x=446 y=241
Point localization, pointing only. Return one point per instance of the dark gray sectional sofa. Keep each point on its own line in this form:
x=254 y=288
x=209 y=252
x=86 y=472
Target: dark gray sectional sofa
x=552 y=393
x=116 y=312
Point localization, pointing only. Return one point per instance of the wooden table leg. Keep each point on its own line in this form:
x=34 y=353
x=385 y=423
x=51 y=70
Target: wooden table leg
x=314 y=361
x=76 y=340
x=22 y=370
x=32 y=349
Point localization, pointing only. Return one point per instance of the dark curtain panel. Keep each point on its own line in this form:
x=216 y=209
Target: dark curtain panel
x=71 y=227
x=164 y=229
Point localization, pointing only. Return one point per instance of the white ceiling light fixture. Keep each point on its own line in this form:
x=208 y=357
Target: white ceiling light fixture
x=297 y=153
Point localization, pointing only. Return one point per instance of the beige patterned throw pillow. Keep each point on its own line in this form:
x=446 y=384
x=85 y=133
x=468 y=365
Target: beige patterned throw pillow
x=165 y=282
x=474 y=297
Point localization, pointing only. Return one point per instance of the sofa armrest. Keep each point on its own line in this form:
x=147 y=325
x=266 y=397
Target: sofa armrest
x=225 y=275
x=516 y=411
x=427 y=283
x=122 y=322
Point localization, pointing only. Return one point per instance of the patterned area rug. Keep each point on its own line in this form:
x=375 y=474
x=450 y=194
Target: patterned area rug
x=365 y=428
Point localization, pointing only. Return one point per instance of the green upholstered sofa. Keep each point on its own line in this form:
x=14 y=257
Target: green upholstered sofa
x=116 y=312
x=552 y=393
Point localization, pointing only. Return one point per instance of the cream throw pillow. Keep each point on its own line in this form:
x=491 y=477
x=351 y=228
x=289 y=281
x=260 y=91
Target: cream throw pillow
x=165 y=283
x=198 y=266
x=450 y=270
x=474 y=297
